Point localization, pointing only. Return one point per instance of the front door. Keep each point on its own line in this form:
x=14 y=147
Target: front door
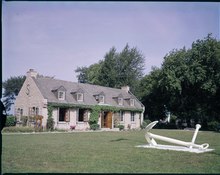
x=107 y=120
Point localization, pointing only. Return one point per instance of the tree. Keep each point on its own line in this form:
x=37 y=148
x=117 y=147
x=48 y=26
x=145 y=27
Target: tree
x=82 y=77
x=116 y=70
x=151 y=95
x=11 y=87
x=188 y=83
x=107 y=74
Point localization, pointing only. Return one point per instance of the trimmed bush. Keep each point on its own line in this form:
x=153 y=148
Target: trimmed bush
x=24 y=120
x=18 y=129
x=94 y=126
x=121 y=127
x=10 y=121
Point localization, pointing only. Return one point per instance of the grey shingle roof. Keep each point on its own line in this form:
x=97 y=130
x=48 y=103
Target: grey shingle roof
x=47 y=86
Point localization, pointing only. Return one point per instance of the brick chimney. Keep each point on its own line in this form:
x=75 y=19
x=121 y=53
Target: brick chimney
x=32 y=73
x=126 y=88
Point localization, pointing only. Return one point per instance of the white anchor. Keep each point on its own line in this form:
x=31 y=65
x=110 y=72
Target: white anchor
x=185 y=146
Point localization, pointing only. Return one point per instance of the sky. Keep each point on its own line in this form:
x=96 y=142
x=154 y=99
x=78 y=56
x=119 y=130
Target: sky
x=54 y=38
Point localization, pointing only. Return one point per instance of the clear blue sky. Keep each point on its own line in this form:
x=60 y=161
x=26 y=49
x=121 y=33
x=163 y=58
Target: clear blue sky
x=54 y=38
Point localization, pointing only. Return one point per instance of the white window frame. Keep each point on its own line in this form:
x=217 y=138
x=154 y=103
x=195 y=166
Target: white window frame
x=78 y=97
x=121 y=116
x=120 y=101
x=132 y=116
x=101 y=99
x=132 y=102
x=63 y=95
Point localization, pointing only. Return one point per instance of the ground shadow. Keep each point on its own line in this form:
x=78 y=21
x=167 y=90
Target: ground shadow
x=118 y=140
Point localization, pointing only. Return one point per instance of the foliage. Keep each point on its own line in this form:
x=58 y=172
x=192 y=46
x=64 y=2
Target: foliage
x=121 y=127
x=213 y=125
x=145 y=123
x=11 y=87
x=10 y=121
x=188 y=83
x=94 y=117
x=82 y=106
x=50 y=121
x=116 y=70
x=18 y=129
x=24 y=120
x=94 y=126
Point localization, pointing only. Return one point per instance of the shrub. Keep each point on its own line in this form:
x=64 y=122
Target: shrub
x=94 y=117
x=24 y=120
x=213 y=126
x=50 y=121
x=10 y=121
x=39 y=129
x=50 y=124
x=121 y=127
x=145 y=123
x=94 y=126
x=18 y=129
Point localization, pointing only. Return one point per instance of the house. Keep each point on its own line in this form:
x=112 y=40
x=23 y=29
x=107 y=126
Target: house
x=72 y=103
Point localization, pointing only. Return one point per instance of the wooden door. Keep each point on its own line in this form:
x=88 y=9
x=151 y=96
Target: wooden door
x=109 y=120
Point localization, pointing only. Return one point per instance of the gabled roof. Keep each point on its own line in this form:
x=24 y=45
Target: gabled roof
x=48 y=85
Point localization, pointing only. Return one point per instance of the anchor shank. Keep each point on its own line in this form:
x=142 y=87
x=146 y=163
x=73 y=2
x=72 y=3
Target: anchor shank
x=170 y=140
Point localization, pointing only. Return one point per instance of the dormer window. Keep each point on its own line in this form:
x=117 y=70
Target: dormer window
x=59 y=92
x=131 y=102
x=61 y=95
x=101 y=99
x=79 y=96
x=120 y=101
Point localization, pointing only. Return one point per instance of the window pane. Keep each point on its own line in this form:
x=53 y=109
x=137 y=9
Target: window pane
x=81 y=115
x=79 y=97
x=122 y=116
x=132 y=116
x=61 y=95
x=120 y=101
x=101 y=99
x=62 y=113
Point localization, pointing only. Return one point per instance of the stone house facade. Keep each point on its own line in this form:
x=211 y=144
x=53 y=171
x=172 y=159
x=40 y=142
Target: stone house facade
x=72 y=103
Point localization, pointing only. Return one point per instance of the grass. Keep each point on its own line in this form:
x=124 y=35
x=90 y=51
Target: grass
x=105 y=152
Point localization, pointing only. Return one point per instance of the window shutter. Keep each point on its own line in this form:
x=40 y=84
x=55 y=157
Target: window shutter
x=67 y=115
x=85 y=116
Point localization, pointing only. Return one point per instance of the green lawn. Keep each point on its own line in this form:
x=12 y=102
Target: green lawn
x=105 y=152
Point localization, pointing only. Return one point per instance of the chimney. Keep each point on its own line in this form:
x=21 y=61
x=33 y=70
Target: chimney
x=126 y=88
x=32 y=73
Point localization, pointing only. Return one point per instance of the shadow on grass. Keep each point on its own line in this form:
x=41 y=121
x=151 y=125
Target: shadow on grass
x=215 y=153
x=118 y=140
